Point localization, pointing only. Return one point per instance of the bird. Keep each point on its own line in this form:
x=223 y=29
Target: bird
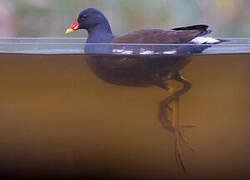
x=143 y=58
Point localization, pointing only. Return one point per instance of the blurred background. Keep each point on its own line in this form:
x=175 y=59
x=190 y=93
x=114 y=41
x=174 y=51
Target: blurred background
x=51 y=17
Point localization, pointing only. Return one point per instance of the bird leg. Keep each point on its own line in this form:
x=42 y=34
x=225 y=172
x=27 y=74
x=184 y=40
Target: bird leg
x=168 y=116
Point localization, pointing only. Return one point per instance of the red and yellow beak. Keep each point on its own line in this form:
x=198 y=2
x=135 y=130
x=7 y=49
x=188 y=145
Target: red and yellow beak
x=73 y=27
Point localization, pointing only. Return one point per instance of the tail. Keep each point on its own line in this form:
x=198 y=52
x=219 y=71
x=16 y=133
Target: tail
x=203 y=28
x=205 y=42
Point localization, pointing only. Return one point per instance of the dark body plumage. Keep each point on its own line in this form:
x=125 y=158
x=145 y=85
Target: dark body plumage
x=135 y=69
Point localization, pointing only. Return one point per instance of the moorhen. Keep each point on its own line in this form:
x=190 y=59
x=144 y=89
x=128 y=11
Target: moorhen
x=134 y=59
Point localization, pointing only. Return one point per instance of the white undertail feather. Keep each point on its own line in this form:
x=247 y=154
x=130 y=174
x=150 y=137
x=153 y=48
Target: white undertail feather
x=205 y=40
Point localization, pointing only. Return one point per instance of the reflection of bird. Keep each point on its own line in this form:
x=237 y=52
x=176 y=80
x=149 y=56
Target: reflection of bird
x=129 y=65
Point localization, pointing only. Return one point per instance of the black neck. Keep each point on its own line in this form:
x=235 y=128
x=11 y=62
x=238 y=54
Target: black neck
x=100 y=33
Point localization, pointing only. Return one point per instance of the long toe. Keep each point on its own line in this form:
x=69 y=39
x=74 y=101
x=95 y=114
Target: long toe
x=178 y=154
x=184 y=140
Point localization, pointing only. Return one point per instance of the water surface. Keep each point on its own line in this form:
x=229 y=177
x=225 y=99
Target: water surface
x=62 y=45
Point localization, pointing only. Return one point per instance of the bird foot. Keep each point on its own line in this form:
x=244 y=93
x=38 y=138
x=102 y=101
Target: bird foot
x=167 y=124
x=168 y=119
x=178 y=138
x=183 y=139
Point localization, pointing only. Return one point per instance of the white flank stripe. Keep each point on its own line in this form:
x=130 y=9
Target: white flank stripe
x=169 y=52
x=127 y=52
x=146 y=52
x=117 y=50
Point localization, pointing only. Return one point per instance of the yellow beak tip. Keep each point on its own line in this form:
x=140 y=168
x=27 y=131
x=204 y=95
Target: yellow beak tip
x=69 y=31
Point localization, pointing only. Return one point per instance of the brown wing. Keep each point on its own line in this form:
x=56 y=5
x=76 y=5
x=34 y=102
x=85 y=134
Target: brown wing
x=178 y=35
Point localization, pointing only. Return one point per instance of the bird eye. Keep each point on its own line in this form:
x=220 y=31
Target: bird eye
x=84 y=17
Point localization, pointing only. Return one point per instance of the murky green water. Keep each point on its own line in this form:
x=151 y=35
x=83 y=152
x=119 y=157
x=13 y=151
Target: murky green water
x=58 y=119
